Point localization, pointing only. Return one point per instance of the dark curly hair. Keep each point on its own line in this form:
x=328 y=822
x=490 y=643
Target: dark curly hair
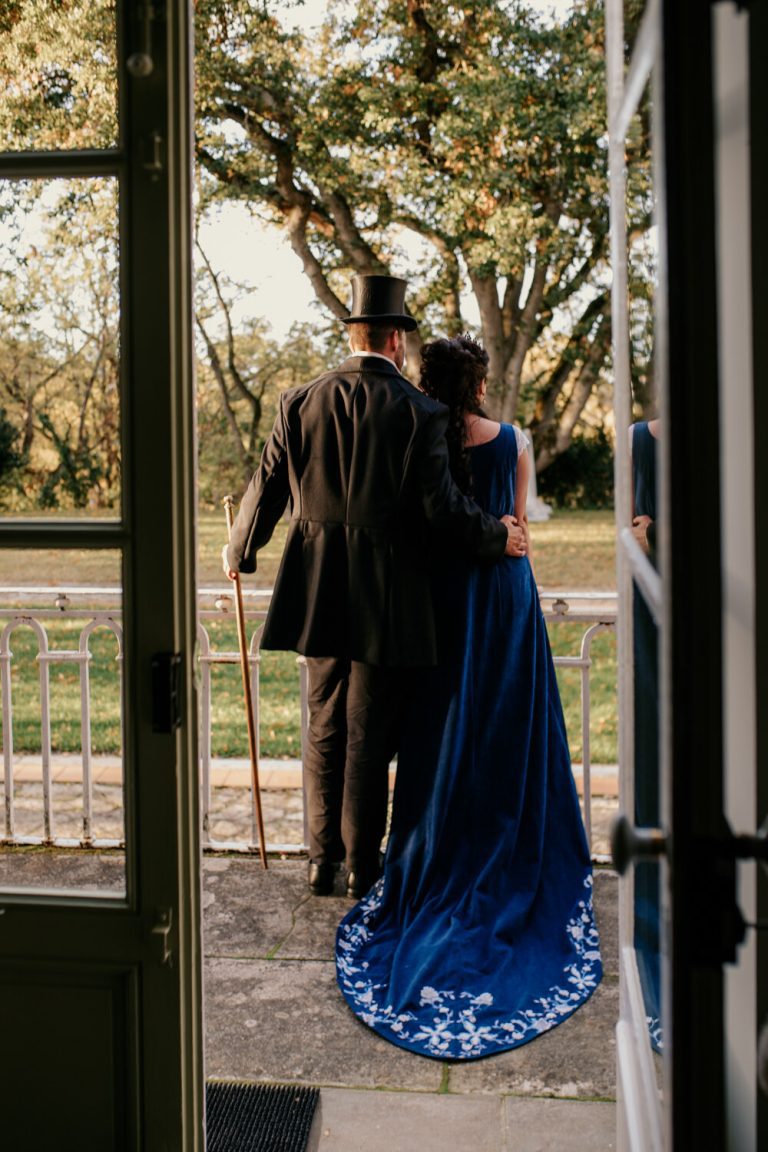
x=452 y=372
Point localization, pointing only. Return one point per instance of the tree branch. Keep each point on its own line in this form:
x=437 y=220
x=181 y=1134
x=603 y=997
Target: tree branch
x=297 y=219
x=523 y=340
x=544 y=424
x=218 y=373
x=580 y=393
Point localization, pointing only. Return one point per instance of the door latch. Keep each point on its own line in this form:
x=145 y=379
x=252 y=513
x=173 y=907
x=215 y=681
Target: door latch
x=161 y=935
x=721 y=928
x=141 y=63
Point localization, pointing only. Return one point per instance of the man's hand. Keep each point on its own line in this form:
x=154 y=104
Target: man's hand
x=517 y=539
x=228 y=572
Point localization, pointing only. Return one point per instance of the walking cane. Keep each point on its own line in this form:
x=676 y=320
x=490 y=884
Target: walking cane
x=244 y=663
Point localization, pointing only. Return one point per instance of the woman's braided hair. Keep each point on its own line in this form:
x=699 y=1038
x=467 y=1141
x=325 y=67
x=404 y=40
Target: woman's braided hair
x=452 y=371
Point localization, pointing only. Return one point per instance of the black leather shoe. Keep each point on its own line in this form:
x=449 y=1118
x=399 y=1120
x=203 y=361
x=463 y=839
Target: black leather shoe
x=320 y=878
x=359 y=884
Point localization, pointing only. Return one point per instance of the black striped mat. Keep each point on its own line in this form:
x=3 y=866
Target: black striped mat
x=258 y=1117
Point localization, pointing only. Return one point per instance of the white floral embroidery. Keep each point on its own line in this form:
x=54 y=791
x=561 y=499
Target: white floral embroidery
x=455 y=1031
x=656 y=1032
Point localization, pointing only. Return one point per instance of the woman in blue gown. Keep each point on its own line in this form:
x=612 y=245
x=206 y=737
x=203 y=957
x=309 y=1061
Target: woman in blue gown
x=480 y=934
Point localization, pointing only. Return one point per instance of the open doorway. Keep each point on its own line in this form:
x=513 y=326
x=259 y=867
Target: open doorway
x=347 y=149
x=269 y=939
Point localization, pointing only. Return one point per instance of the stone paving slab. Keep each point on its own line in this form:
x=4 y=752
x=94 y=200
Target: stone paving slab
x=348 y=1120
x=559 y=1125
x=353 y=1121
x=247 y=911
x=606 y=905
x=293 y=994
x=576 y=1059
x=256 y=913
x=285 y=1021
x=250 y=913
x=55 y=868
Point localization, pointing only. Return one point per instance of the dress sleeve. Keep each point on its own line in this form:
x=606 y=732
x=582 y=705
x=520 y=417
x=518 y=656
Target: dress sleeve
x=522 y=441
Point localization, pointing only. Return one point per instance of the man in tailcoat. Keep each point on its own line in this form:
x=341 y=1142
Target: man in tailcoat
x=360 y=457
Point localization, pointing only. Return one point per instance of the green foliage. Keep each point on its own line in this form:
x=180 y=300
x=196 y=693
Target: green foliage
x=59 y=363
x=464 y=144
x=582 y=477
x=58 y=74
x=461 y=144
x=234 y=417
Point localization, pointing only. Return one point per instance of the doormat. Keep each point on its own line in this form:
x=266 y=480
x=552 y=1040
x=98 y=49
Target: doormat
x=258 y=1117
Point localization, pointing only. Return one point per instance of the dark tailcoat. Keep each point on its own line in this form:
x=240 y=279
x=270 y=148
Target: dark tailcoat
x=361 y=457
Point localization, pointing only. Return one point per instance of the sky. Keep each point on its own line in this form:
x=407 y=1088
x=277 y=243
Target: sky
x=261 y=257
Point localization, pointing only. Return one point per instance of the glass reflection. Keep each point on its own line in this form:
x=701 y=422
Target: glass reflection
x=644 y=448
x=58 y=76
x=59 y=349
x=644 y=452
x=61 y=660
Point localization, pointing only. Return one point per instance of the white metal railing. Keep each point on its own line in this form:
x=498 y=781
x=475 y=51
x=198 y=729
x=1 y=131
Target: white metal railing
x=596 y=612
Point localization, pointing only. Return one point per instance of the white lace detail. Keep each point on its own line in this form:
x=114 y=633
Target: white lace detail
x=454 y=1032
x=521 y=439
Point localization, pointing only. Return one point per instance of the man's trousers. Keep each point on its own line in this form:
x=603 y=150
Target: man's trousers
x=355 y=712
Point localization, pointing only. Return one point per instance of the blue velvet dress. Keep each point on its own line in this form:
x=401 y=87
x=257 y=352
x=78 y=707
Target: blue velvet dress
x=480 y=935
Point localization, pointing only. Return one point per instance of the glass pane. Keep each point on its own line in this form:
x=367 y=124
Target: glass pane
x=58 y=75
x=645 y=436
x=61 y=717
x=59 y=349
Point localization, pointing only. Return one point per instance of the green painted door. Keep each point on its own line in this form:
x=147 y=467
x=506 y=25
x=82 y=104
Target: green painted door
x=100 y=967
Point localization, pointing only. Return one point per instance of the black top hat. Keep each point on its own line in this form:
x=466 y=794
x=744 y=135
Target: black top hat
x=379 y=299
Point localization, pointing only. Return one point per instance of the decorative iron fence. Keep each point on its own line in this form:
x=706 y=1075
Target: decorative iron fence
x=100 y=608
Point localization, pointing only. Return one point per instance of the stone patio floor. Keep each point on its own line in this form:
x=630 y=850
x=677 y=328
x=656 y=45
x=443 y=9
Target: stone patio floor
x=273 y=1014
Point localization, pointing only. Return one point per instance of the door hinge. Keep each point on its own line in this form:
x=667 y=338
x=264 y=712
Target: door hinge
x=161 y=936
x=166 y=691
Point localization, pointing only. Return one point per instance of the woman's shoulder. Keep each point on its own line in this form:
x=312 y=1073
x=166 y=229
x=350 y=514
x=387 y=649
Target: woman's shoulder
x=504 y=436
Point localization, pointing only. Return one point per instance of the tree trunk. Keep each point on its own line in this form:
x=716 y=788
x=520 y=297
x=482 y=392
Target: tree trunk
x=554 y=445
x=485 y=288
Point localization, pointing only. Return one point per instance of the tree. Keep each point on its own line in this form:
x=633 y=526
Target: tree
x=476 y=128
x=461 y=144
x=58 y=74
x=241 y=374
x=59 y=365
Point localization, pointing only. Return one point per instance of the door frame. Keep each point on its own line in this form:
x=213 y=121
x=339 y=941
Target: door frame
x=693 y=876
x=758 y=97
x=144 y=949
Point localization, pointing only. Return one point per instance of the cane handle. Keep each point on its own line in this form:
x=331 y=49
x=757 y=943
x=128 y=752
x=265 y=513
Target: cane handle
x=229 y=505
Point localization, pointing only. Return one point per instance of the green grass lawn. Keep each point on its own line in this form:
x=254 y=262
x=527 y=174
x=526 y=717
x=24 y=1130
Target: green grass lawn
x=573 y=550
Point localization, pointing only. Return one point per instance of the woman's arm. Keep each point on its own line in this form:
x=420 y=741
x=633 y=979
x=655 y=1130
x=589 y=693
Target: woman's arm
x=521 y=485
x=524 y=465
